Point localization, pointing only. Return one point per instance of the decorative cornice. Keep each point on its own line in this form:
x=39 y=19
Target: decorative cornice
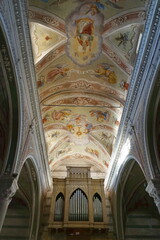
x=144 y=64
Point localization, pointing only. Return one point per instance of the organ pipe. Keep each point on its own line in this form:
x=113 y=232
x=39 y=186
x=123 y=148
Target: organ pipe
x=97 y=208
x=59 y=208
x=79 y=209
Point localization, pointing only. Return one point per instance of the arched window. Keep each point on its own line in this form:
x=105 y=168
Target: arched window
x=97 y=208
x=59 y=208
x=78 y=206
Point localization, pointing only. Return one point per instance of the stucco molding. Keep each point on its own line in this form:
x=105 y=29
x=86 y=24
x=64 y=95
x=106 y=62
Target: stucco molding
x=145 y=62
x=21 y=17
x=12 y=56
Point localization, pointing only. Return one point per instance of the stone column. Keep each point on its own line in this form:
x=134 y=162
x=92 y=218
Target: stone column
x=8 y=187
x=153 y=188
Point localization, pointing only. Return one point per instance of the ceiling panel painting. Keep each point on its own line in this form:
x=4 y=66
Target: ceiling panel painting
x=86 y=131
x=84 y=57
x=72 y=117
x=44 y=40
x=69 y=148
x=103 y=72
x=84 y=28
x=125 y=41
x=109 y=8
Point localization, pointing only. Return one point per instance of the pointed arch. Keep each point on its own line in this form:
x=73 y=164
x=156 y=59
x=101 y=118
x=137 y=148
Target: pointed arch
x=59 y=207
x=132 y=201
x=97 y=208
x=9 y=107
x=78 y=206
x=25 y=205
x=152 y=128
x=29 y=183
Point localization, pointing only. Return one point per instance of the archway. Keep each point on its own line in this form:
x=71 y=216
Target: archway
x=9 y=108
x=97 y=208
x=153 y=128
x=22 y=218
x=136 y=214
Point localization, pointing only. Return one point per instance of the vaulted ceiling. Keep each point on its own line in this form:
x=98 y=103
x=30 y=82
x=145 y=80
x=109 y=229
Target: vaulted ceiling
x=84 y=54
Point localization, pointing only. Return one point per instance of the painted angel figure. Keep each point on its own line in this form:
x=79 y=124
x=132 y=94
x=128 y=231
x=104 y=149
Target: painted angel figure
x=57 y=70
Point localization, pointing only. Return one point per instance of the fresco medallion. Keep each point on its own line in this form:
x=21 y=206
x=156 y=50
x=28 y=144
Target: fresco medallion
x=84 y=27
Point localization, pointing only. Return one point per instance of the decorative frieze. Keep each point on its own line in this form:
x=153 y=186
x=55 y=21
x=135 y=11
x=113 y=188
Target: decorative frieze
x=47 y=19
x=123 y=20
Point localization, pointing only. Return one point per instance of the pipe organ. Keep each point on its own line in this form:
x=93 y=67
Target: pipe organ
x=78 y=201
x=78 y=206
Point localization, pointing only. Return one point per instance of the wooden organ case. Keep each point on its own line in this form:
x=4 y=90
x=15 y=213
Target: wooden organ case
x=78 y=201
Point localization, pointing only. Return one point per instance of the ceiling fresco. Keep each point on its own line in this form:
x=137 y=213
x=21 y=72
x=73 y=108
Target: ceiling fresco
x=125 y=41
x=109 y=8
x=44 y=40
x=84 y=53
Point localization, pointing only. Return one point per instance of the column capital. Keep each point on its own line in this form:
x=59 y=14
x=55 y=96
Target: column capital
x=153 y=188
x=8 y=187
